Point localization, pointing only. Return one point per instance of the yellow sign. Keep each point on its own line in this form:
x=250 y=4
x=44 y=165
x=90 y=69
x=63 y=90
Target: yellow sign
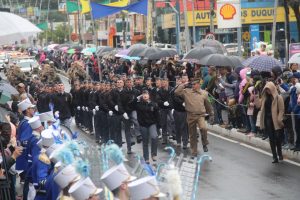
x=249 y=16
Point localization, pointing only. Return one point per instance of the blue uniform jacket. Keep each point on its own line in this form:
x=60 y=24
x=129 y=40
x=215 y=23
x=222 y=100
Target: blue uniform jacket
x=53 y=190
x=24 y=133
x=33 y=150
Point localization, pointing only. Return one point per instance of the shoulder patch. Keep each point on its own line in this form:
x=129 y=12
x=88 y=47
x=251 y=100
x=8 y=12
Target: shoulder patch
x=44 y=158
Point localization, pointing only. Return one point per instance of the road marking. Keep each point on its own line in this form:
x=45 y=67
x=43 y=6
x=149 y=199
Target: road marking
x=223 y=138
x=253 y=148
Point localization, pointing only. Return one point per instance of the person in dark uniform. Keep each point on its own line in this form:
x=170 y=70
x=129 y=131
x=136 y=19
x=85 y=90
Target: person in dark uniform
x=127 y=100
x=179 y=115
x=164 y=102
x=92 y=105
x=119 y=112
x=63 y=104
x=84 y=102
x=107 y=108
x=75 y=91
x=100 y=119
x=139 y=84
x=149 y=87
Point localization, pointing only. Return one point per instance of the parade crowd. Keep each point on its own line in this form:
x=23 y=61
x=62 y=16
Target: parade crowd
x=150 y=102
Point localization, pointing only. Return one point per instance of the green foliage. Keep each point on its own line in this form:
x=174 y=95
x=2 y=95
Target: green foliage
x=58 y=35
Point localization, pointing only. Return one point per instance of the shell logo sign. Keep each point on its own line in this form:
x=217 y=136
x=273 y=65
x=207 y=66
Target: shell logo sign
x=227 y=11
x=229 y=14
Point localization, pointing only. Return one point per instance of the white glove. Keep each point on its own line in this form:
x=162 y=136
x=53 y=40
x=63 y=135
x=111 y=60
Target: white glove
x=94 y=111
x=139 y=97
x=78 y=107
x=110 y=113
x=97 y=108
x=87 y=108
x=125 y=116
x=56 y=114
x=116 y=107
x=83 y=108
x=183 y=104
x=172 y=111
x=166 y=103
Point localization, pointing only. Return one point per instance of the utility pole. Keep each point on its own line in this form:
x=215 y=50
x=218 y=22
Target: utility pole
x=186 y=29
x=239 y=37
x=194 y=26
x=211 y=16
x=274 y=26
x=177 y=11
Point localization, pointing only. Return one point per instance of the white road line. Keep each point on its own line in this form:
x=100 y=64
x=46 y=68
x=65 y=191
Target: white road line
x=223 y=138
x=253 y=148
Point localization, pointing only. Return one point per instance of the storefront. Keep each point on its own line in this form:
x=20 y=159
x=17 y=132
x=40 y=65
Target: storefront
x=262 y=17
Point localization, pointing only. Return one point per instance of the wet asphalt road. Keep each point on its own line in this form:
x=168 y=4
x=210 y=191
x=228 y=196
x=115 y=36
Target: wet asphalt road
x=238 y=173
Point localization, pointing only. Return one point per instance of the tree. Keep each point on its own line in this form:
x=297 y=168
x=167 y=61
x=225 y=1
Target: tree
x=294 y=4
x=58 y=35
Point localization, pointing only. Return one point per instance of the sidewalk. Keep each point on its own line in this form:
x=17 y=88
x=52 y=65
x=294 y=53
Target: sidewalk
x=253 y=141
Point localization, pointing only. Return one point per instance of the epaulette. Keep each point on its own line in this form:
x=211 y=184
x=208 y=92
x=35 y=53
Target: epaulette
x=44 y=158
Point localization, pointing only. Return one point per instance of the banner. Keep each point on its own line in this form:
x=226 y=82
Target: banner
x=43 y=26
x=229 y=13
x=120 y=3
x=85 y=6
x=267 y=37
x=72 y=6
x=294 y=48
x=100 y=11
x=254 y=33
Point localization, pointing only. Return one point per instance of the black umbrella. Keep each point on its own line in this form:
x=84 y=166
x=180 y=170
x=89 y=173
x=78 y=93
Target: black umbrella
x=77 y=48
x=236 y=60
x=162 y=54
x=8 y=88
x=136 y=49
x=199 y=53
x=216 y=60
x=218 y=46
x=103 y=50
x=149 y=51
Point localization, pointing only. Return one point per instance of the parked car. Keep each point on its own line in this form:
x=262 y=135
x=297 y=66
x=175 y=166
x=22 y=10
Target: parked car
x=3 y=61
x=164 y=46
x=27 y=64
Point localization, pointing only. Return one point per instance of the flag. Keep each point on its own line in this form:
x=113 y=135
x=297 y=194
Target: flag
x=120 y=3
x=72 y=6
x=85 y=4
x=43 y=26
x=140 y=7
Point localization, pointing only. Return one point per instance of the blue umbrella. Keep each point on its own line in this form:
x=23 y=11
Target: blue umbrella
x=262 y=63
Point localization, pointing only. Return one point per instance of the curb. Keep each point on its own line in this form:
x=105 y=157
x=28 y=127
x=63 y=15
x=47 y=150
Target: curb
x=254 y=141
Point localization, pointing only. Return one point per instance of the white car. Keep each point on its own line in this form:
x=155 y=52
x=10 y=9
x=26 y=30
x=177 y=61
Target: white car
x=27 y=65
x=232 y=49
x=164 y=46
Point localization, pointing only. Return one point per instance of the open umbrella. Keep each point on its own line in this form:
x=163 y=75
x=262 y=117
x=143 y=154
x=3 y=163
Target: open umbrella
x=295 y=59
x=165 y=53
x=216 y=60
x=77 y=48
x=198 y=53
x=8 y=88
x=236 y=60
x=136 y=49
x=15 y=28
x=261 y=63
x=71 y=51
x=103 y=50
x=148 y=52
x=218 y=46
x=122 y=53
x=52 y=47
